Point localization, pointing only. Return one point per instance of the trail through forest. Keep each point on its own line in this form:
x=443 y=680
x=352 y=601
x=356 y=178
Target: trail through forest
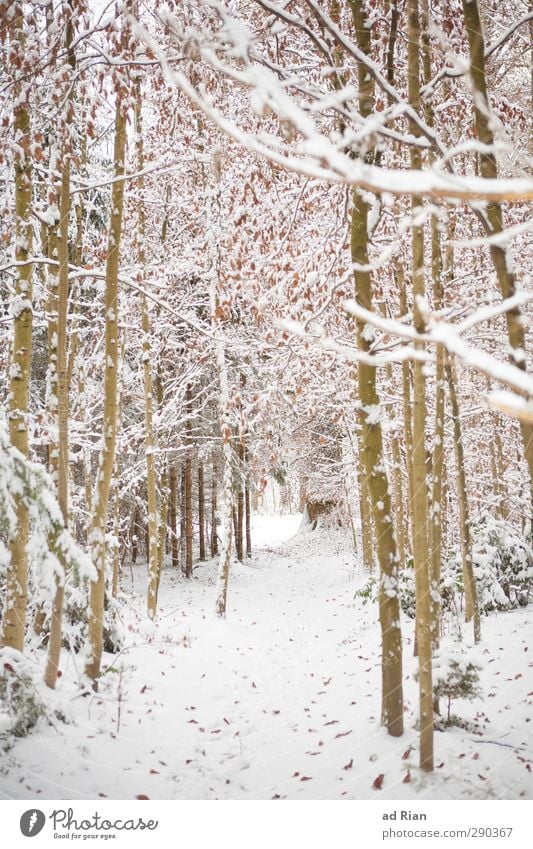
x=280 y=700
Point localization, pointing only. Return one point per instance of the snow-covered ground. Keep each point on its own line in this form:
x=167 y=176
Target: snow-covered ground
x=280 y=700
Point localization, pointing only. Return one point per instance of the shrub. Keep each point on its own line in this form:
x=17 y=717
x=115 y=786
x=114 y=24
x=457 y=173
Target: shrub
x=20 y=704
x=503 y=566
x=455 y=676
x=369 y=591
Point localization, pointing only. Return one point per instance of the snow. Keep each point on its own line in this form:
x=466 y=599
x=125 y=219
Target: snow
x=280 y=699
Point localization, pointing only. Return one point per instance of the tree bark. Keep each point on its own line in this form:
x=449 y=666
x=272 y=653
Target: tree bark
x=201 y=510
x=472 y=605
x=493 y=214
x=214 y=531
x=247 y=511
x=239 y=524
x=110 y=424
x=55 y=640
x=188 y=485
x=16 y=598
x=424 y=628
x=371 y=434
x=173 y=517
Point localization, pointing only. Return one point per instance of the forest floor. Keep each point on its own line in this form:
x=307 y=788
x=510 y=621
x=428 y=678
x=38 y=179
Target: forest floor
x=280 y=700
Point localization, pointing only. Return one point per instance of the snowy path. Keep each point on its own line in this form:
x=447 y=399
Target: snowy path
x=281 y=700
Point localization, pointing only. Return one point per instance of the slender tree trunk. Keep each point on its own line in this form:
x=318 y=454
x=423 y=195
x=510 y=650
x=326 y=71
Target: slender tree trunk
x=16 y=598
x=472 y=605
x=247 y=512
x=493 y=214
x=239 y=516
x=162 y=527
x=399 y=512
x=214 y=212
x=56 y=638
x=182 y=519
x=116 y=533
x=501 y=465
x=135 y=534
x=365 y=512
x=424 y=628
x=173 y=517
x=437 y=456
x=188 y=486
x=371 y=434
x=438 y=444
x=214 y=531
x=407 y=408
x=201 y=510
x=151 y=483
x=110 y=424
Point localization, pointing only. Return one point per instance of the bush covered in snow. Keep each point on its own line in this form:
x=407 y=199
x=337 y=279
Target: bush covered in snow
x=455 y=676
x=503 y=566
x=20 y=703
x=369 y=590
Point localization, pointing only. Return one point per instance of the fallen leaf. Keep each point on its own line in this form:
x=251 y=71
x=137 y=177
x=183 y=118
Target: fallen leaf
x=378 y=782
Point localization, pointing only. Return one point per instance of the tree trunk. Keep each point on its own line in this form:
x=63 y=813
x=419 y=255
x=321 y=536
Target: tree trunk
x=371 y=434
x=115 y=584
x=151 y=483
x=110 y=423
x=173 y=517
x=424 y=628
x=182 y=519
x=365 y=512
x=162 y=527
x=188 y=486
x=201 y=510
x=135 y=534
x=214 y=531
x=493 y=213
x=239 y=525
x=247 y=512
x=16 y=598
x=472 y=605
x=55 y=641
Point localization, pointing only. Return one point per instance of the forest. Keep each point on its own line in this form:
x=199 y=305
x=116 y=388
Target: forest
x=266 y=434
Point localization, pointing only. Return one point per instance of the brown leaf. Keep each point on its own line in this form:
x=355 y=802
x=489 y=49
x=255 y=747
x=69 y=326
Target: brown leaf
x=349 y=765
x=378 y=782
x=142 y=797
